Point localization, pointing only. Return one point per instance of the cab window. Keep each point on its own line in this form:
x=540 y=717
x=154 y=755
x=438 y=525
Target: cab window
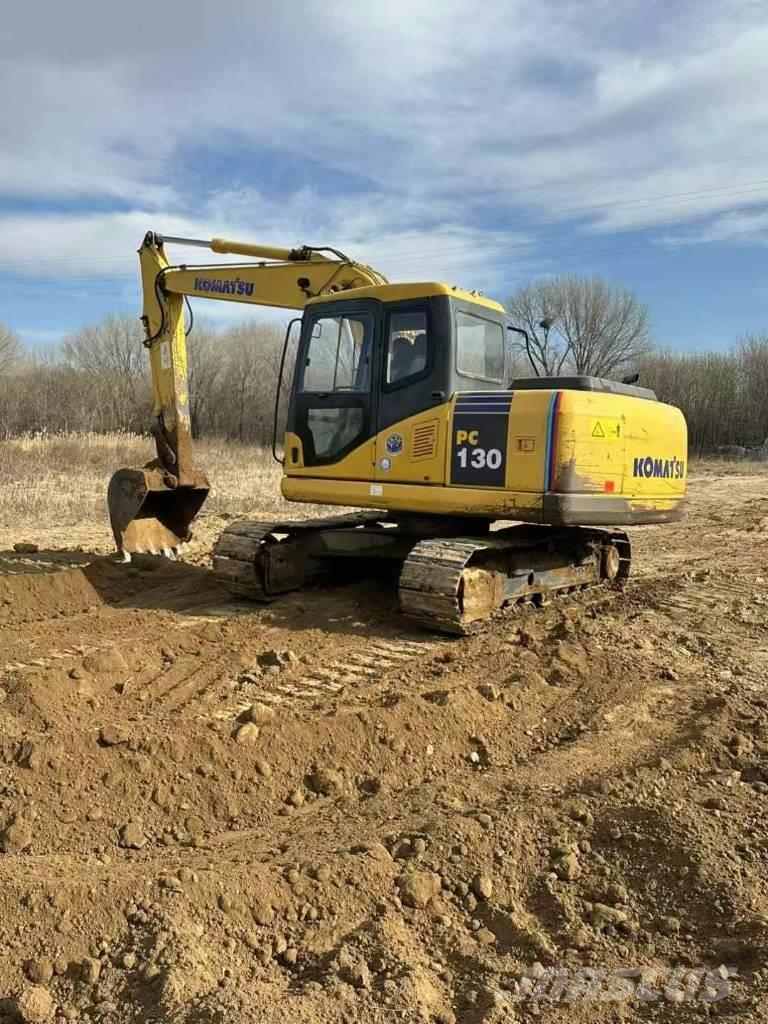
x=406 y=346
x=479 y=347
x=339 y=354
x=334 y=430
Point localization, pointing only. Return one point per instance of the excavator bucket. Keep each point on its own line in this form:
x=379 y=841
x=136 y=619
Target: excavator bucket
x=149 y=512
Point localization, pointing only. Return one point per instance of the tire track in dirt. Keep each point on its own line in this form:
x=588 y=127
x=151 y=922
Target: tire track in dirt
x=503 y=761
x=369 y=665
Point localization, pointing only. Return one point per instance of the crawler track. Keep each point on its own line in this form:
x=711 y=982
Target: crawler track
x=239 y=553
x=460 y=585
x=235 y=556
x=448 y=584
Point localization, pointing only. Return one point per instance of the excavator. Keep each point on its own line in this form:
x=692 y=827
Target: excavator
x=483 y=493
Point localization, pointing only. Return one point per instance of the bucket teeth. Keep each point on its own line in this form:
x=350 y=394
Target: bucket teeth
x=150 y=510
x=170 y=554
x=125 y=557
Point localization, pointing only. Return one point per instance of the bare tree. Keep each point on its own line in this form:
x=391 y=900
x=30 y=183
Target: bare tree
x=206 y=359
x=11 y=349
x=581 y=325
x=112 y=346
x=249 y=381
x=115 y=362
x=98 y=381
x=752 y=355
x=709 y=388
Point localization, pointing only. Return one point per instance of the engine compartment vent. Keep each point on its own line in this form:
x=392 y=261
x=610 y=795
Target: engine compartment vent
x=424 y=441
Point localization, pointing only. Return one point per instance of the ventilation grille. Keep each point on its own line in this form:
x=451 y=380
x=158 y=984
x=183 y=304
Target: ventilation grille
x=424 y=441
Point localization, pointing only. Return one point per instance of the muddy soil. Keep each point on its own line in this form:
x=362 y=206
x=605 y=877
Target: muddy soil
x=312 y=812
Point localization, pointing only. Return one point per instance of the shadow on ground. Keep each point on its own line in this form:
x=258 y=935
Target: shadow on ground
x=17 y=563
x=58 y=583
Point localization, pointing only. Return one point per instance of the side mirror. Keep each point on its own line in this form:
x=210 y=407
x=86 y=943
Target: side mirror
x=531 y=360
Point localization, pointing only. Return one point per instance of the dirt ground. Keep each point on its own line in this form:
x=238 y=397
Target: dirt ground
x=311 y=812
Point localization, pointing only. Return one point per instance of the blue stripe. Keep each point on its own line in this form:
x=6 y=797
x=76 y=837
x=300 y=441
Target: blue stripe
x=499 y=404
x=484 y=398
x=548 y=451
x=499 y=401
x=483 y=408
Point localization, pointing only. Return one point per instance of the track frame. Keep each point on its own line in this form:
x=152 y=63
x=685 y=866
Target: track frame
x=455 y=574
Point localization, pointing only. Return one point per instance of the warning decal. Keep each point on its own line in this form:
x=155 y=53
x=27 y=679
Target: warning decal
x=606 y=429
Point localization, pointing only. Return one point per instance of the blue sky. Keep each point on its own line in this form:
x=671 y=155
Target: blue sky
x=483 y=144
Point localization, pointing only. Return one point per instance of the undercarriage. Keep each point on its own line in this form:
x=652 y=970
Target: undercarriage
x=456 y=575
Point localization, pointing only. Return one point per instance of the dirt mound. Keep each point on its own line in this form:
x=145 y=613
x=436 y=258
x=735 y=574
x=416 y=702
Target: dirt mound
x=310 y=812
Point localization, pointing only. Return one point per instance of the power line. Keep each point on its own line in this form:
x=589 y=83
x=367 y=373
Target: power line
x=735 y=188
x=399 y=258
x=407 y=255
x=548 y=256
x=720 y=191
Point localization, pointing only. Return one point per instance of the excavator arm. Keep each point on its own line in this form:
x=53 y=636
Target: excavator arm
x=151 y=508
x=284 y=278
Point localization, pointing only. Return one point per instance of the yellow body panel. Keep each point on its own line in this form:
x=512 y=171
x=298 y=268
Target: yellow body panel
x=446 y=501
x=417 y=498
x=357 y=465
x=603 y=440
x=413 y=290
x=422 y=459
x=526 y=442
x=580 y=457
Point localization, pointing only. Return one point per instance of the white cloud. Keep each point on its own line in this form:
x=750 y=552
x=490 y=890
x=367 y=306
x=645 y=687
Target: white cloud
x=100 y=249
x=739 y=226
x=401 y=130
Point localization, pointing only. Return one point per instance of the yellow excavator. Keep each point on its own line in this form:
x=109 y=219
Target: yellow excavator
x=400 y=407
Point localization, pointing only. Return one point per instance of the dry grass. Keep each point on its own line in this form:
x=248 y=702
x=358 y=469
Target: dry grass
x=49 y=481
x=714 y=466
x=62 y=477
x=244 y=479
x=53 y=486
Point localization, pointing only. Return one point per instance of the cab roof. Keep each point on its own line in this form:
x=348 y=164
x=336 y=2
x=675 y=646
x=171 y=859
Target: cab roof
x=412 y=290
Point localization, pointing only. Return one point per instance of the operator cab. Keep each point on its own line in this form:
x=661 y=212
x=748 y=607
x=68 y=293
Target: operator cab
x=372 y=357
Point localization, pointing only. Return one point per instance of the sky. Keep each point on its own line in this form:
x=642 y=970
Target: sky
x=484 y=144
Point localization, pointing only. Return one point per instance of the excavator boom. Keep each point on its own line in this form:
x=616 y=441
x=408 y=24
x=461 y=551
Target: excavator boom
x=284 y=278
x=151 y=508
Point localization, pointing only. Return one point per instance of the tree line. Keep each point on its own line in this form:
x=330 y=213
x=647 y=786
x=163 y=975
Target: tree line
x=97 y=378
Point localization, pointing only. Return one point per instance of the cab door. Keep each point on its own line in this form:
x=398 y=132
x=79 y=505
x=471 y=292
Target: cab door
x=411 y=426
x=332 y=407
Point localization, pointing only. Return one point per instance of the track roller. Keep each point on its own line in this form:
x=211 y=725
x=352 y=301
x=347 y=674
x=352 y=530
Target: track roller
x=459 y=585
